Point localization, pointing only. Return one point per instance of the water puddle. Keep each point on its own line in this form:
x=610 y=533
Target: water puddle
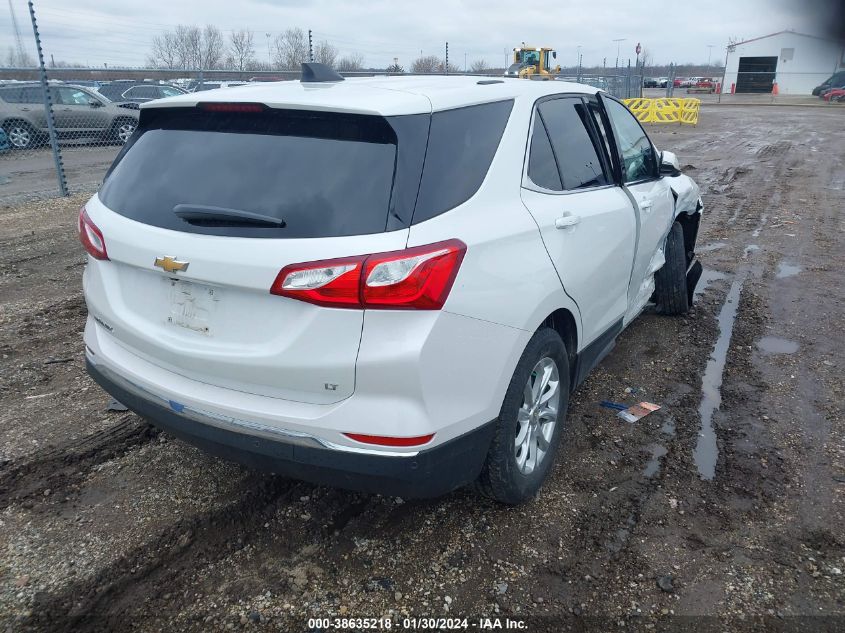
x=713 y=246
x=763 y=219
x=787 y=270
x=708 y=276
x=748 y=249
x=706 y=451
x=777 y=345
x=668 y=427
x=653 y=464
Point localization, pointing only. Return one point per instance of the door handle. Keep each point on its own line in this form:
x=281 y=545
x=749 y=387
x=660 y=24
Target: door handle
x=567 y=220
x=645 y=204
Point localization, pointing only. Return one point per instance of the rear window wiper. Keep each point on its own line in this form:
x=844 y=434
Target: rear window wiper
x=199 y=213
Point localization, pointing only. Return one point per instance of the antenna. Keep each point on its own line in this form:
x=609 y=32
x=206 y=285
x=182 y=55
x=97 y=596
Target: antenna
x=18 y=40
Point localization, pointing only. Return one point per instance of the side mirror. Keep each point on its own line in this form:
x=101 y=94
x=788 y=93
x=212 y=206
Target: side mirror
x=669 y=165
x=94 y=103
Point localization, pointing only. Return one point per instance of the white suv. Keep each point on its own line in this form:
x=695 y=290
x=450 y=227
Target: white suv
x=386 y=284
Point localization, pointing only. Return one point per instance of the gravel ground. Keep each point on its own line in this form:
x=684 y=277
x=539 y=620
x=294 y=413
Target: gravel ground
x=107 y=524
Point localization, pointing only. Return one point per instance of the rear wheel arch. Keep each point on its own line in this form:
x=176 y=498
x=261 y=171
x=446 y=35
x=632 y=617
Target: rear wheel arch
x=563 y=322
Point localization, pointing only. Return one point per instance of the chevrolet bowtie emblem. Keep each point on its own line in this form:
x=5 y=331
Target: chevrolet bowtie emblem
x=170 y=264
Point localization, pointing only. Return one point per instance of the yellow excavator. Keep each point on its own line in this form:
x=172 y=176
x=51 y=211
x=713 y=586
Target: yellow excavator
x=531 y=61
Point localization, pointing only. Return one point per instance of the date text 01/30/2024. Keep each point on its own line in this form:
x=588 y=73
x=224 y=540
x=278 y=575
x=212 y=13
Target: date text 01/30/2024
x=417 y=624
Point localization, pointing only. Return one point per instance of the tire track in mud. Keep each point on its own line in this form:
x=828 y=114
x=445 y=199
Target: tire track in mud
x=105 y=601
x=67 y=465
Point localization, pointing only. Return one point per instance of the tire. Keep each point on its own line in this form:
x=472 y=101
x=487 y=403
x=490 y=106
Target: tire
x=21 y=134
x=670 y=282
x=510 y=475
x=122 y=129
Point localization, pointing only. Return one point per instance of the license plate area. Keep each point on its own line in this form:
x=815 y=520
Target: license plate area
x=192 y=306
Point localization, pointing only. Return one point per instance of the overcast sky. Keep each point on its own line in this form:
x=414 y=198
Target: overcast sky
x=118 y=32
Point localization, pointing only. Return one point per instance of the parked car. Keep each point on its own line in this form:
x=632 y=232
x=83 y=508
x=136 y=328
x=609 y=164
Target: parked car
x=137 y=92
x=834 y=81
x=662 y=82
x=78 y=112
x=703 y=84
x=214 y=85
x=5 y=146
x=391 y=285
x=835 y=95
x=651 y=82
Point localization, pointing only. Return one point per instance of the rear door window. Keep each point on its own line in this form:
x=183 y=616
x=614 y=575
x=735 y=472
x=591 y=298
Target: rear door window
x=542 y=167
x=461 y=146
x=315 y=174
x=575 y=150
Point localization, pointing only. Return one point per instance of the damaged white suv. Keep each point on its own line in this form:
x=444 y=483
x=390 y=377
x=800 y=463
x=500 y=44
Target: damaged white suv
x=385 y=284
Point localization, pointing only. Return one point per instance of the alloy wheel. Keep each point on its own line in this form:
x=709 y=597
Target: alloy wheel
x=537 y=417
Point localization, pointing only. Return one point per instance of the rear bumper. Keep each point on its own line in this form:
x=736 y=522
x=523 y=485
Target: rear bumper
x=428 y=473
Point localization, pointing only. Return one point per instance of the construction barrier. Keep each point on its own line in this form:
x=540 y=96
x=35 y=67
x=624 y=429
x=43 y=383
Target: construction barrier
x=665 y=110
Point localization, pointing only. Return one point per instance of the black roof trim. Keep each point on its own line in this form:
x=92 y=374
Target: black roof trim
x=487 y=82
x=315 y=72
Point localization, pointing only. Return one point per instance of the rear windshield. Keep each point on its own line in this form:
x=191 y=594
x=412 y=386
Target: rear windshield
x=300 y=174
x=318 y=174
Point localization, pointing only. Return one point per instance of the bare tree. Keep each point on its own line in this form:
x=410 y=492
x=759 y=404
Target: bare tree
x=188 y=48
x=212 y=47
x=325 y=53
x=241 y=50
x=427 y=64
x=441 y=67
x=350 y=62
x=645 y=57
x=480 y=66
x=165 y=51
x=291 y=49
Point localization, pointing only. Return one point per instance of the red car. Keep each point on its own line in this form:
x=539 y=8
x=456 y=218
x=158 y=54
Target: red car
x=704 y=84
x=837 y=94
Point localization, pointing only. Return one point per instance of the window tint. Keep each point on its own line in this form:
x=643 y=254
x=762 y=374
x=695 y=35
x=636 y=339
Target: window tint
x=25 y=94
x=638 y=157
x=141 y=92
x=567 y=123
x=461 y=146
x=324 y=174
x=167 y=91
x=542 y=168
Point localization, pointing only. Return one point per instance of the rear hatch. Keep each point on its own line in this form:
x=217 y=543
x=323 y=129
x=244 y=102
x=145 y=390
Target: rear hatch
x=205 y=206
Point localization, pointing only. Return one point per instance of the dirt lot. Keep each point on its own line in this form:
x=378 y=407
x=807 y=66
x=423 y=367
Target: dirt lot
x=107 y=524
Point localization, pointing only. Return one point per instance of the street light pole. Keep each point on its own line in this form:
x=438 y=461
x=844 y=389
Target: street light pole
x=709 y=53
x=269 y=57
x=618 y=44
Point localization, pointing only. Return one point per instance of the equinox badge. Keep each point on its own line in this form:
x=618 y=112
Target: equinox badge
x=170 y=264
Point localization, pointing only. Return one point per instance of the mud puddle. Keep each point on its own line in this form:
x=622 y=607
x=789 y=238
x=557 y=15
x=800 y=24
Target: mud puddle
x=706 y=452
x=777 y=345
x=787 y=270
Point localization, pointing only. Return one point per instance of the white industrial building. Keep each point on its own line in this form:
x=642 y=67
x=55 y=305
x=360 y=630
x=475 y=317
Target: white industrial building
x=796 y=62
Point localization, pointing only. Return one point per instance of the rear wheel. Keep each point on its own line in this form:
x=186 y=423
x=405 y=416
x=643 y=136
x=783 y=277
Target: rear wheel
x=670 y=282
x=530 y=422
x=21 y=134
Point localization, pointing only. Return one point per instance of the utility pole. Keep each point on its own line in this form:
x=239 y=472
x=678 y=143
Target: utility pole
x=310 y=47
x=446 y=67
x=709 y=53
x=465 y=62
x=269 y=57
x=578 y=53
x=18 y=39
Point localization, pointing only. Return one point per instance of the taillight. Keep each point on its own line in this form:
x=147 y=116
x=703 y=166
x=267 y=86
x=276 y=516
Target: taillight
x=417 y=278
x=382 y=440
x=91 y=237
x=212 y=106
x=329 y=282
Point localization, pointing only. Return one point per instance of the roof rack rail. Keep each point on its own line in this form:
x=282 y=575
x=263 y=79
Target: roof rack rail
x=316 y=72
